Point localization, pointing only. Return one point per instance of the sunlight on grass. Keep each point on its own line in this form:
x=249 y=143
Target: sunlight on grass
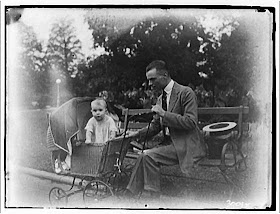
x=26 y=139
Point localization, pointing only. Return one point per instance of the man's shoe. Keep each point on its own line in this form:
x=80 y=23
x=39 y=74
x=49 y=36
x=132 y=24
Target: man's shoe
x=155 y=195
x=128 y=194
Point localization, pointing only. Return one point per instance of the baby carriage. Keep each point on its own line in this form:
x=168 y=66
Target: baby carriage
x=99 y=169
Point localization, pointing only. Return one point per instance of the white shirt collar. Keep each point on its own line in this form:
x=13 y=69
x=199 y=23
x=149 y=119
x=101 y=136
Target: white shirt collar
x=169 y=87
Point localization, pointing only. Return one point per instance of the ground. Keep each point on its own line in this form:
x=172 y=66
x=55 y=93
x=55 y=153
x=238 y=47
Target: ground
x=26 y=146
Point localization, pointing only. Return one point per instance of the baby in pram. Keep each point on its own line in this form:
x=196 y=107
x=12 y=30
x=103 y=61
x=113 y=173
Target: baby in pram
x=100 y=128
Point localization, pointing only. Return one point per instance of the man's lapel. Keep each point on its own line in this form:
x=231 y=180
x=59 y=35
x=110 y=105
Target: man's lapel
x=174 y=96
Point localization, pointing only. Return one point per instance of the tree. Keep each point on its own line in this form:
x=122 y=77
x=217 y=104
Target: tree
x=216 y=58
x=129 y=52
x=215 y=65
x=30 y=77
x=91 y=77
x=169 y=39
x=229 y=60
x=64 y=51
x=108 y=25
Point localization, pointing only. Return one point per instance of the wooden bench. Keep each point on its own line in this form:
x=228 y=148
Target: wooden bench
x=231 y=155
x=238 y=114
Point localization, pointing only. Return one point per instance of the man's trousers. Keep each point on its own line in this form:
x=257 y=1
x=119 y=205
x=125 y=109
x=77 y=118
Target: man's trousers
x=146 y=172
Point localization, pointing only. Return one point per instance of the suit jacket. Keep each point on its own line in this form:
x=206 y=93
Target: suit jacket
x=181 y=120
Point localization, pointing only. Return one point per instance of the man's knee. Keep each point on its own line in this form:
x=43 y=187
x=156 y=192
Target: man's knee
x=149 y=155
x=144 y=154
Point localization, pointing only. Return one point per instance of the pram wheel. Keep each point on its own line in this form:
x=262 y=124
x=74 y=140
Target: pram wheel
x=58 y=197
x=96 y=191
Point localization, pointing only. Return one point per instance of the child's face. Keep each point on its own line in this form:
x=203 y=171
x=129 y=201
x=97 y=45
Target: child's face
x=98 y=111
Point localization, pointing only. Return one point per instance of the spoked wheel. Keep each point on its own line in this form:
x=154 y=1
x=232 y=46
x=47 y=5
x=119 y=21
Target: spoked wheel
x=119 y=182
x=58 y=197
x=97 y=192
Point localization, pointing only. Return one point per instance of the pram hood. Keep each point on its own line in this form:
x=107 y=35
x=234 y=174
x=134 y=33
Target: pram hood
x=68 y=120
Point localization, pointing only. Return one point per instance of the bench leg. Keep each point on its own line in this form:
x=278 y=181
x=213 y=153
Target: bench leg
x=241 y=165
x=223 y=156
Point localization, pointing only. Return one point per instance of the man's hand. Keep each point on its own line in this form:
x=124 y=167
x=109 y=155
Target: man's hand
x=133 y=136
x=158 y=110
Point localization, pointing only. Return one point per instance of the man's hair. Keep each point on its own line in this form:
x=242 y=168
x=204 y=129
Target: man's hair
x=99 y=101
x=159 y=65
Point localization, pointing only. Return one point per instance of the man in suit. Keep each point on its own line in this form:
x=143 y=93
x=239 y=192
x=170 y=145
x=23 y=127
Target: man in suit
x=176 y=117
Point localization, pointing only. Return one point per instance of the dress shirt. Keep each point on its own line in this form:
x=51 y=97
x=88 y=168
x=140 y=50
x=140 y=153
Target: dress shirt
x=168 y=90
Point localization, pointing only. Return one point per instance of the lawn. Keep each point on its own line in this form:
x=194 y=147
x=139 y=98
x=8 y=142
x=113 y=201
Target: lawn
x=26 y=140
x=26 y=146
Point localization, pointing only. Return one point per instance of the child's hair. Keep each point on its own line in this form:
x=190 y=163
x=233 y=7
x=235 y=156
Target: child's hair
x=99 y=101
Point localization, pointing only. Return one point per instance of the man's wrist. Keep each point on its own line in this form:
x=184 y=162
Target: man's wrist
x=137 y=136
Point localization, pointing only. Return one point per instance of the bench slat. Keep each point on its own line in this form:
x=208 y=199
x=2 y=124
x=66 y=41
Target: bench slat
x=136 y=111
x=201 y=110
x=132 y=125
x=132 y=155
x=223 y=110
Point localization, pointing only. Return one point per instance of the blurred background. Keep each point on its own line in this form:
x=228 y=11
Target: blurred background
x=54 y=54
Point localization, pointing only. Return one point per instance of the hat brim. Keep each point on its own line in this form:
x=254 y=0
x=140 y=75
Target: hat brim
x=219 y=127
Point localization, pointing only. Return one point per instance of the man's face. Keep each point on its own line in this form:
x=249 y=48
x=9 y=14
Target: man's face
x=98 y=111
x=156 y=81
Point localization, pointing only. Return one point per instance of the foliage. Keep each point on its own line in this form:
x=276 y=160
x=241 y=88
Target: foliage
x=186 y=46
x=31 y=79
x=217 y=61
x=64 y=51
x=129 y=53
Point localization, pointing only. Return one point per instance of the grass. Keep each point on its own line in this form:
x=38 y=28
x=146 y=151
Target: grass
x=26 y=140
x=26 y=146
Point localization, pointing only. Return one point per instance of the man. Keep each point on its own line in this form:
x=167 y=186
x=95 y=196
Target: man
x=176 y=116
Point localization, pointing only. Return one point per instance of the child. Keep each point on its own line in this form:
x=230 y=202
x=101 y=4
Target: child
x=101 y=127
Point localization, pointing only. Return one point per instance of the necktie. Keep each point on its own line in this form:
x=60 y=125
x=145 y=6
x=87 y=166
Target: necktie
x=164 y=102
x=164 y=107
